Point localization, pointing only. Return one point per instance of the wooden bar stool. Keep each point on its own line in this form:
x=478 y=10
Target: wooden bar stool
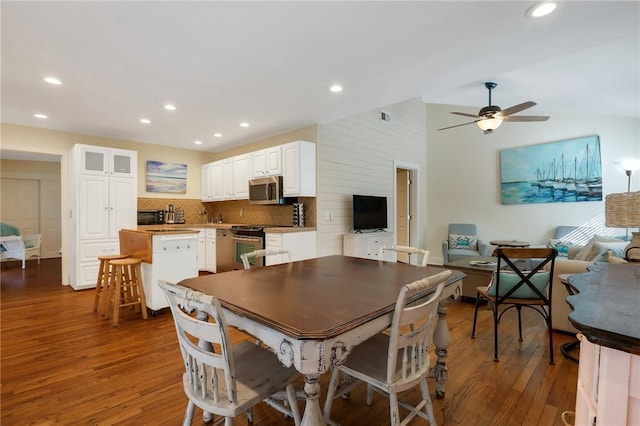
x=100 y=302
x=126 y=287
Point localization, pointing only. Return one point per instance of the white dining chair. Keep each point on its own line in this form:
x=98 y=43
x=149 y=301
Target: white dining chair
x=229 y=380
x=405 y=249
x=397 y=362
x=248 y=259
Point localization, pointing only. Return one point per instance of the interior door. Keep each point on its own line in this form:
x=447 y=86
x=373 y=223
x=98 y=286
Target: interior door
x=21 y=204
x=403 y=182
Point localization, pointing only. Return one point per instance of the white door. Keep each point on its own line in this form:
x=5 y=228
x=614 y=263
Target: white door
x=50 y=219
x=21 y=204
x=122 y=205
x=93 y=202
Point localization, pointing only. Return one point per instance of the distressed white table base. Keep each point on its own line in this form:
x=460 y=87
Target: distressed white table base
x=315 y=357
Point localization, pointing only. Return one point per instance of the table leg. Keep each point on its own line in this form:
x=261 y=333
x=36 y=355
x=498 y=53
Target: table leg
x=441 y=339
x=312 y=412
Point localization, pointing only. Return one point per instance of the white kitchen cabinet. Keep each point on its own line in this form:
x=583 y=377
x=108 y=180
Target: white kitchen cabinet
x=206 y=182
x=103 y=200
x=299 y=169
x=174 y=258
x=367 y=245
x=301 y=245
x=201 y=248
x=102 y=161
x=227 y=179
x=241 y=176
x=266 y=162
x=210 y=250
x=216 y=181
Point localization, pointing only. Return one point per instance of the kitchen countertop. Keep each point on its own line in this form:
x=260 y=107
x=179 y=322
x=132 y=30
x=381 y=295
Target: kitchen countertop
x=182 y=227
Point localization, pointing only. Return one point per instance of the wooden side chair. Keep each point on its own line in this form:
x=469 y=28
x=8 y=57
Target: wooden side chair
x=249 y=259
x=397 y=362
x=407 y=250
x=513 y=288
x=222 y=379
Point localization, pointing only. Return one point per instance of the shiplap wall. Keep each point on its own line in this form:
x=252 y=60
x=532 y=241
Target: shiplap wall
x=356 y=155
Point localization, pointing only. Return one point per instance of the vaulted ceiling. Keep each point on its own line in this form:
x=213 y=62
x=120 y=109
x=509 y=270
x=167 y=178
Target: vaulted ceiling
x=271 y=64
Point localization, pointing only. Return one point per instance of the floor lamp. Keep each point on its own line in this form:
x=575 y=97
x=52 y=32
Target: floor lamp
x=623 y=211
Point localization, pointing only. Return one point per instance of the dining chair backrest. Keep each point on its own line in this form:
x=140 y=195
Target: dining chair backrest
x=201 y=362
x=248 y=259
x=412 y=330
x=407 y=250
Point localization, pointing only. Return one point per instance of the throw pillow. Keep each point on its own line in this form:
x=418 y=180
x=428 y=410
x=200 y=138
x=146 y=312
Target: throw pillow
x=586 y=251
x=600 y=252
x=464 y=242
x=560 y=245
x=509 y=279
x=616 y=260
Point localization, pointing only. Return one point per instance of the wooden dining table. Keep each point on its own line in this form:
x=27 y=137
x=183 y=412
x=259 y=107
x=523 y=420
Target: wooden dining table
x=312 y=313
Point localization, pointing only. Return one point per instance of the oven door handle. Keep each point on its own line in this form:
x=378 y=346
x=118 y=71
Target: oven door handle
x=245 y=238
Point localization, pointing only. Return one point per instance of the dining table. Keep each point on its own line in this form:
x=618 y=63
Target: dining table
x=313 y=312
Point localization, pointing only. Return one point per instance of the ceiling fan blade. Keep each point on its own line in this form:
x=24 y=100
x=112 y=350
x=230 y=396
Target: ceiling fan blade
x=466 y=115
x=458 y=125
x=518 y=108
x=526 y=118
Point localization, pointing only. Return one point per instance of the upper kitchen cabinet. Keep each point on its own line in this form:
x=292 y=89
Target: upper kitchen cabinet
x=206 y=183
x=102 y=200
x=241 y=176
x=97 y=160
x=266 y=162
x=299 y=169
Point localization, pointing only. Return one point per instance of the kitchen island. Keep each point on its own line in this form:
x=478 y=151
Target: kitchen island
x=167 y=253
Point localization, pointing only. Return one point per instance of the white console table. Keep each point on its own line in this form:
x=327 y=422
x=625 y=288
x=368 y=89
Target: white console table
x=367 y=244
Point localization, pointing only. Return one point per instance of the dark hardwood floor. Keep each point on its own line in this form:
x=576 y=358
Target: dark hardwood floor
x=62 y=364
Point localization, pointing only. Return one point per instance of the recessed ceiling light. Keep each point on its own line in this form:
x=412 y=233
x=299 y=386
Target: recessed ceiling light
x=40 y=116
x=170 y=107
x=540 y=9
x=244 y=124
x=336 y=88
x=52 y=80
x=145 y=121
x=198 y=142
x=217 y=135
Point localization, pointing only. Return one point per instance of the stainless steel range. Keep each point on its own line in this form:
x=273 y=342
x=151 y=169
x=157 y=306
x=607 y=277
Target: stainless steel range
x=246 y=238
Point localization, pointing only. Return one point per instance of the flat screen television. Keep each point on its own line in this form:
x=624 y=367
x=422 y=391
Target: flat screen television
x=369 y=212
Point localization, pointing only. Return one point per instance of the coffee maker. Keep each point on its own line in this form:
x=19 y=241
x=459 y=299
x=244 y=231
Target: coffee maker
x=170 y=217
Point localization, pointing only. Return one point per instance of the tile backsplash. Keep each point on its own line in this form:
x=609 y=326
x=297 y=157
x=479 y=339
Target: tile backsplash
x=234 y=211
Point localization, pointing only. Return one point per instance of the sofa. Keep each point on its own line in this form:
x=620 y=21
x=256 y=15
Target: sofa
x=578 y=259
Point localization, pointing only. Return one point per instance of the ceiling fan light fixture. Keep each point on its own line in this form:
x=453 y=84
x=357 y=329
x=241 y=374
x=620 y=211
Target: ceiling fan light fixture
x=541 y=9
x=488 y=125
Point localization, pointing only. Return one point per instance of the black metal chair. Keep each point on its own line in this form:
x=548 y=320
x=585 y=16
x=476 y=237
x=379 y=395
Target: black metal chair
x=513 y=288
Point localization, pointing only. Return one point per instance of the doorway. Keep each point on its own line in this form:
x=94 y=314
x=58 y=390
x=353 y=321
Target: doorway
x=405 y=207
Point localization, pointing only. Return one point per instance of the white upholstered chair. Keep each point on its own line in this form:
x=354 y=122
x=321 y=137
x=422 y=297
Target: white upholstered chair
x=407 y=250
x=222 y=379
x=397 y=362
x=21 y=247
x=248 y=259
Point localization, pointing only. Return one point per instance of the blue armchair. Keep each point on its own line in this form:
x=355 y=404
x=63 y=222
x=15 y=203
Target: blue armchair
x=462 y=241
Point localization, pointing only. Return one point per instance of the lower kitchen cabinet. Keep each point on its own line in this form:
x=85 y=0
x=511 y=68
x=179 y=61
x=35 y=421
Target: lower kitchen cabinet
x=207 y=250
x=301 y=245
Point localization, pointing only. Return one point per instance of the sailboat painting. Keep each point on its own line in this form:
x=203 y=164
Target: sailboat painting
x=557 y=172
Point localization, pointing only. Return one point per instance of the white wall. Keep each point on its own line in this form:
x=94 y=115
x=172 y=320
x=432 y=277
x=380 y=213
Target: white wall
x=463 y=174
x=356 y=155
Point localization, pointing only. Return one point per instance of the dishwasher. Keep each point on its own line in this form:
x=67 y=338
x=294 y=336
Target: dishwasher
x=224 y=250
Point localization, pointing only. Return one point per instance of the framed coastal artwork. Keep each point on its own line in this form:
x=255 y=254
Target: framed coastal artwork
x=166 y=177
x=557 y=172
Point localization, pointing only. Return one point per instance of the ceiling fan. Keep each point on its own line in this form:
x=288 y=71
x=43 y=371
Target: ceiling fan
x=491 y=117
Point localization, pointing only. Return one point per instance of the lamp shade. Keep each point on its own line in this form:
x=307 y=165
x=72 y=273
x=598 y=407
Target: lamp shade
x=622 y=210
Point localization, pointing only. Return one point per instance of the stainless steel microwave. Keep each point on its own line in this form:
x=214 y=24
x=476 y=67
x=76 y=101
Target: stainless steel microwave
x=267 y=190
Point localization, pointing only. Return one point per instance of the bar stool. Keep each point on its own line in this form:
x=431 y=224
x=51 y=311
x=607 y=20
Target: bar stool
x=100 y=302
x=126 y=287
